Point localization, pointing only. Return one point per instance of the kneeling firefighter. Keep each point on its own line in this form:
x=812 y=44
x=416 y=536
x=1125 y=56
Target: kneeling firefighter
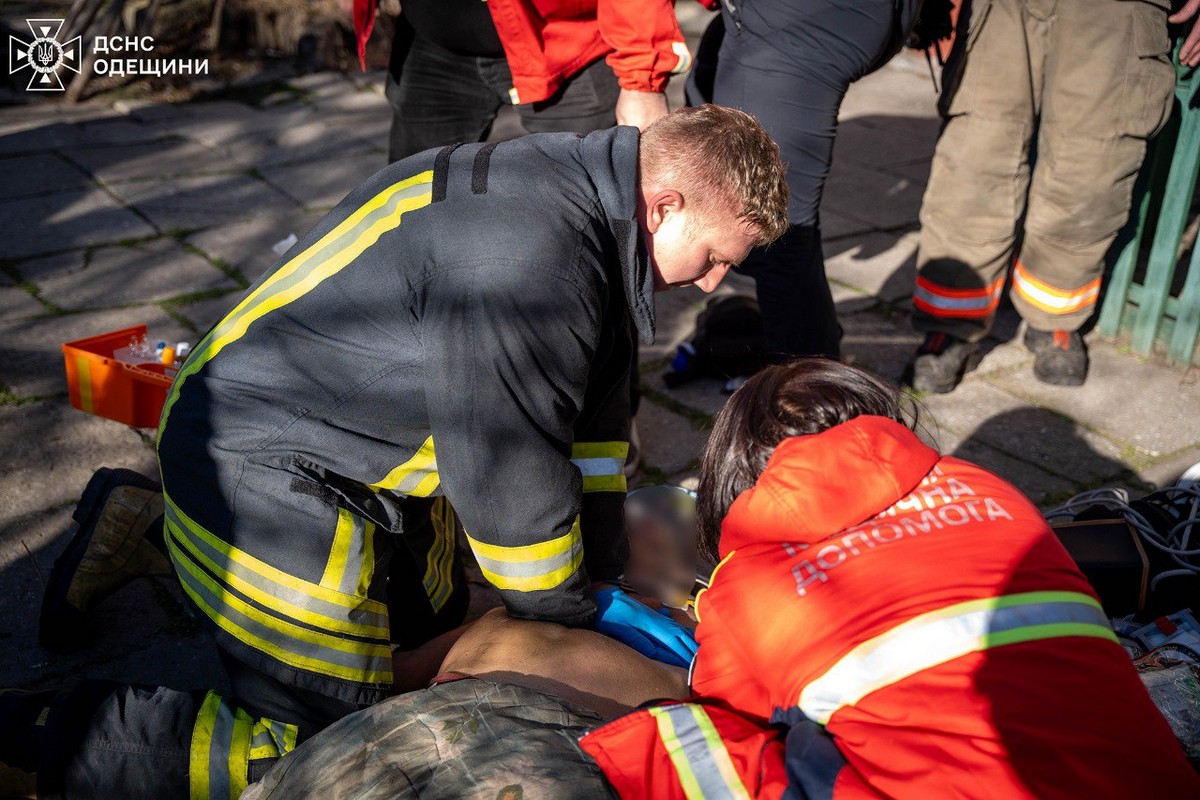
x=451 y=343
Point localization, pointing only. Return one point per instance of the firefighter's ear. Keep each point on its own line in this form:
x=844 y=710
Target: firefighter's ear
x=659 y=208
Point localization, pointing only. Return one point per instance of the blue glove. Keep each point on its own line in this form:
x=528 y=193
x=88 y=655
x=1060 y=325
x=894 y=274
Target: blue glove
x=652 y=634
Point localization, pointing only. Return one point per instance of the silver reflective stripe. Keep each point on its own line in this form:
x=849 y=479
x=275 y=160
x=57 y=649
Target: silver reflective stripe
x=312 y=656
x=218 y=752
x=599 y=466
x=354 y=555
x=531 y=569
x=413 y=479
x=303 y=600
x=946 y=634
x=701 y=761
x=953 y=303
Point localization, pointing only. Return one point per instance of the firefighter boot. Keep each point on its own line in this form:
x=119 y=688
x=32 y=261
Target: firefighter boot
x=940 y=363
x=120 y=521
x=22 y=713
x=1060 y=357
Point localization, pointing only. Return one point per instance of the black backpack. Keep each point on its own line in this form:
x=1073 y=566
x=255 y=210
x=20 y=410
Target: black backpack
x=727 y=342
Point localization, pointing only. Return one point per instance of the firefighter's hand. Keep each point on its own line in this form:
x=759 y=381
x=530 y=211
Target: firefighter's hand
x=652 y=634
x=643 y=108
x=1189 y=53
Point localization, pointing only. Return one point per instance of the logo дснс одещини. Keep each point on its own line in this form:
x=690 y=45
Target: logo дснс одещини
x=44 y=55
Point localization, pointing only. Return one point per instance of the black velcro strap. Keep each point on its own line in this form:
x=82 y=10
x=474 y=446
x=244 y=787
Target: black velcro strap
x=441 y=166
x=479 y=171
x=322 y=493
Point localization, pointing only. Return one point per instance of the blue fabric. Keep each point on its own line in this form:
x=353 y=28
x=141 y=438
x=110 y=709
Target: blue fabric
x=653 y=634
x=811 y=757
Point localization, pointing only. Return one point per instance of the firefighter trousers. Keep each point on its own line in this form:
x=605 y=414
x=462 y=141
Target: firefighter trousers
x=1047 y=106
x=102 y=739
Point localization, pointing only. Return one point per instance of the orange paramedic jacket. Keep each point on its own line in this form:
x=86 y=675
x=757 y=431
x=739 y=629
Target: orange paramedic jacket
x=546 y=42
x=922 y=611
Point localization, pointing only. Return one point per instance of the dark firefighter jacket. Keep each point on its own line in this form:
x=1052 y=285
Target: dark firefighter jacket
x=460 y=325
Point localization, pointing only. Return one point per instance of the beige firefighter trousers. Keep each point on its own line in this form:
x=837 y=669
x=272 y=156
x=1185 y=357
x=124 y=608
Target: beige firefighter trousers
x=1047 y=107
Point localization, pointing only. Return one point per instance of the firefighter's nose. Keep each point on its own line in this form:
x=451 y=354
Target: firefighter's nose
x=712 y=279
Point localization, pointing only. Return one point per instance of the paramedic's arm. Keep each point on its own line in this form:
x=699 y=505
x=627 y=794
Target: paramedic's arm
x=648 y=48
x=507 y=355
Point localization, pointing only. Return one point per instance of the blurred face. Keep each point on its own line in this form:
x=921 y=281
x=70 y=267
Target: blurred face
x=689 y=244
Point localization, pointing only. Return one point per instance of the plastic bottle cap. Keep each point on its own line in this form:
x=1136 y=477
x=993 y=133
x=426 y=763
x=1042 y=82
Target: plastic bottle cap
x=168 y=355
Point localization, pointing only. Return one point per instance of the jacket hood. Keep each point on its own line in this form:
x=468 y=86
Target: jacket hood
x=815 y=486
x=611 y=159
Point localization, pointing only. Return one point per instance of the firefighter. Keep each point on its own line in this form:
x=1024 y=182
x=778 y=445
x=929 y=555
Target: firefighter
x=449 y=346
x=885 y=622
x=1083 y=84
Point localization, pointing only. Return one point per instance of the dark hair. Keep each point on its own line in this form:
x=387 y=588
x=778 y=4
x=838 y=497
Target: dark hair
x=800 y=398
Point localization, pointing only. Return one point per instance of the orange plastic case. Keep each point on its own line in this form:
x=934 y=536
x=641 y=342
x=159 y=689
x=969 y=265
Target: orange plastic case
x=99 y=384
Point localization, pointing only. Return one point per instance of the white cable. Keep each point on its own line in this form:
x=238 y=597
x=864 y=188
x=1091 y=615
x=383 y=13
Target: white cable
x=1175 y=542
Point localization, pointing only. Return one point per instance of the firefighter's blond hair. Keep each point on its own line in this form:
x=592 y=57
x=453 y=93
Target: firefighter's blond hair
x=712 y=153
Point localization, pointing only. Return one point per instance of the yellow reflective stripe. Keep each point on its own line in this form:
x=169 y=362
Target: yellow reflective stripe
x=533 y=567
x=701 y=760
x=201 y=744
x=335 y=569
x=83 y=376
x=239 y=755
x=602 y=465
x=948 y=633
x=276 y=603
x=270 y=573
x=604 y=483
x=711 y=582
x=437 y=581
x=262 y=742
x=270 y=296
x=367 y=570
x=414 y=476
x=367 y=653
x=600 y=450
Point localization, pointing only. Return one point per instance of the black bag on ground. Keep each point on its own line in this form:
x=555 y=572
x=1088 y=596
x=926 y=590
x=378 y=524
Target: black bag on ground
x=727 y=342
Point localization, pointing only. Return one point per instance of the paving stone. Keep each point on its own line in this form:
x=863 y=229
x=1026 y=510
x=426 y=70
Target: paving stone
x=206 y=313
x=981 y=412
x=31 y=359
x=1170 y=468
x=163 y=647
x=1138 y=402
x=890 y=94
x=669 y=441
x=1037 y=484
x=246 y=246
x=861 y=193
x=293 y=144
x=375 y=128
x=1000 y=357
x=674 y=319
x=323 y=184
x=16 y=303
x=878 y=264
x=199 y=202
x=703 y=394
x=46 y=224
x=142 y=273
x=110 y=130
x=42 y=173
x=849 y=300
x=37 y=269
x=865 y=144
x=835 y=226
x=51 y=449
x=160 y=159
x=880 y=343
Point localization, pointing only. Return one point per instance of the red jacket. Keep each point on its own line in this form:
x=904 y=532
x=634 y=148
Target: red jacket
x=548 y=41
x=919 y=608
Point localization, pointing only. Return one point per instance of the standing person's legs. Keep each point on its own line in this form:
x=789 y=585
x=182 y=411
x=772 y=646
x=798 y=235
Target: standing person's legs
x=789 y=64
x=427 y=591
x=437 y=97
x=977 y=187
x=585 y=103
x=1090 y=147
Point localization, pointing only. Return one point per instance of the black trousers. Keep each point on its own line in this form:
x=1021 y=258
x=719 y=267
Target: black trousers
x=789 y=63
x=439 y=97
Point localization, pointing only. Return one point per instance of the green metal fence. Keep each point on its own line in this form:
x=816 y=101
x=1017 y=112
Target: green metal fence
x=1158 y=299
